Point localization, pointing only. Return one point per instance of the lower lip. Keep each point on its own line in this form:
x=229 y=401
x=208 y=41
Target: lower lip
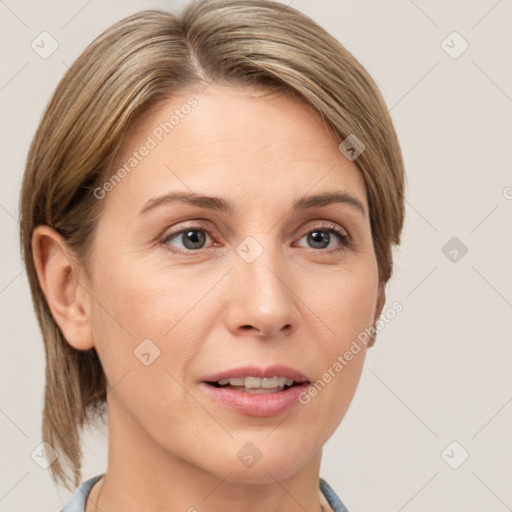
x=257 y=404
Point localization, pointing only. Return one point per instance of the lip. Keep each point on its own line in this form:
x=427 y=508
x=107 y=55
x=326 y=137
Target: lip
x=260 y=404
x=276 y=370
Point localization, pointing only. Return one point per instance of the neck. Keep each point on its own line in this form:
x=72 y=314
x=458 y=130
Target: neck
x=141 y=475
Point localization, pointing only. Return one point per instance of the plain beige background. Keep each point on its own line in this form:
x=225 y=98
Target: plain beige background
x=437 y=386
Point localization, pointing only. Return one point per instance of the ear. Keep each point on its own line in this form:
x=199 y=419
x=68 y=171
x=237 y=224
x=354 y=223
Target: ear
x=379 y=306
x=381 y=300
x=59 y=275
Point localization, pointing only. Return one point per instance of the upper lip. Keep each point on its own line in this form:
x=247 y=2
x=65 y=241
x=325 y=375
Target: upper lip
x=276 y=370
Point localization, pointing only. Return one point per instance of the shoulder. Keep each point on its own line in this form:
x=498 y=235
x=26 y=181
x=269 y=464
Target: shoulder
x=77 y=502
x=332 y=498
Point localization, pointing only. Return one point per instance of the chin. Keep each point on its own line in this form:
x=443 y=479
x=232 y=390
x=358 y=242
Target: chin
x=263 y=462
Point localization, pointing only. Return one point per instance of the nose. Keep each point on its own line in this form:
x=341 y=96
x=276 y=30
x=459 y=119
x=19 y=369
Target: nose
x=262 y=301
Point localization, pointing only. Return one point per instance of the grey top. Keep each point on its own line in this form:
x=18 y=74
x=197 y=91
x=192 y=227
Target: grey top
x=77 y=502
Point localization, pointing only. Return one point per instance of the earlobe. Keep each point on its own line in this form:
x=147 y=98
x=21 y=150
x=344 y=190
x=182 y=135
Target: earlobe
x=59 y=276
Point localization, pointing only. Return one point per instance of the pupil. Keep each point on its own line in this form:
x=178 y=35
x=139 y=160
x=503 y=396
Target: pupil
x=320 y=237
x=194 y=239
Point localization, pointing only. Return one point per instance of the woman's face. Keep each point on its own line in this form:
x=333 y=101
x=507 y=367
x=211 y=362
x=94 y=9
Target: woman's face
x=260 y=280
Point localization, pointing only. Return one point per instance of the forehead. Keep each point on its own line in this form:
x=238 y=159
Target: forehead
x=228 y=141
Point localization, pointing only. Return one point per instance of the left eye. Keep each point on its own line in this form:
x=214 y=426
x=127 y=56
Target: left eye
x=322 y=238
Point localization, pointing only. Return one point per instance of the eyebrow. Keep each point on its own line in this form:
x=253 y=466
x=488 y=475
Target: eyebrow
x=219 y=204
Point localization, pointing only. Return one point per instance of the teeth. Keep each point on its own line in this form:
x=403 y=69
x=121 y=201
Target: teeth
x=252 y=382
x=268 y=383
x=283 y=381
x=257 y=383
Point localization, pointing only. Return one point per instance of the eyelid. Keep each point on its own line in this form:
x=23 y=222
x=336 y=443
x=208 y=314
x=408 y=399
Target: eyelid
x=326 y=225
x=193 y=224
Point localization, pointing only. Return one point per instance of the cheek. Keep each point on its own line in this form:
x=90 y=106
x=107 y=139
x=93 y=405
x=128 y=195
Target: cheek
x=135 y=302
x=347 y=305
x=347 y=308
x=140 y=301
x=146 y=339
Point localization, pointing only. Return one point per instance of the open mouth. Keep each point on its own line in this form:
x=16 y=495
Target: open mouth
x=257 y=391
x=256 y=385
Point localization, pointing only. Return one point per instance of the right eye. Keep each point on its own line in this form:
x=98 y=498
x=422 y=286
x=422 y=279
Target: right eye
x=190 y=239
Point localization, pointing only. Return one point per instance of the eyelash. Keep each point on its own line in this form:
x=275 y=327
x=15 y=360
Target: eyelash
x=345 y=240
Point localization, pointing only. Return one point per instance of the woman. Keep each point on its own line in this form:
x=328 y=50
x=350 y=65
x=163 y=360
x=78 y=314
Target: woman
x=207 y=217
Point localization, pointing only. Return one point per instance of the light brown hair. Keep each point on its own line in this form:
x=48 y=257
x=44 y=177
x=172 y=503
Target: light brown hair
x=138 y=62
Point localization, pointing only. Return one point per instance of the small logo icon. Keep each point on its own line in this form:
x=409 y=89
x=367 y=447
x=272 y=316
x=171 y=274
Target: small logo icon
x=44 y=455
x=454 y=45
x=249 y=454
x=249 y=249
x=146 y=352
x=44 y=45
x=454 y=455
x=351 y=147
x=454 y=249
